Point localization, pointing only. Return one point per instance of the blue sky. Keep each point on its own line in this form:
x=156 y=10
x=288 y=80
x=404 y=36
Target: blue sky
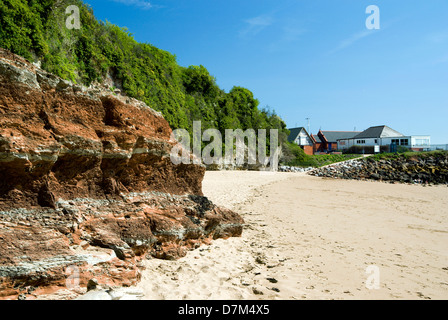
x=310 y=58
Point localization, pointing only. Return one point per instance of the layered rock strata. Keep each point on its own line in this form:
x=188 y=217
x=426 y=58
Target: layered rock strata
x=87 y=187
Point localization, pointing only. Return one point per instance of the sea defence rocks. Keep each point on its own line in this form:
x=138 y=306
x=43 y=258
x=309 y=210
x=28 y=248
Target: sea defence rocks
x=426 y=168
x=294 y=169
x=87 y=187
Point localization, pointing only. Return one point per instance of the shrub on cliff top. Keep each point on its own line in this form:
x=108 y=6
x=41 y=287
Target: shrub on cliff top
x=100 y=50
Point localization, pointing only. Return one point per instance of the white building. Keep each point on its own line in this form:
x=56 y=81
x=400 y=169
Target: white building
x=385 y=136
x=301 y=137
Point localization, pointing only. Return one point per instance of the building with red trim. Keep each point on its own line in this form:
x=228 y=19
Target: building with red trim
x=322 y=142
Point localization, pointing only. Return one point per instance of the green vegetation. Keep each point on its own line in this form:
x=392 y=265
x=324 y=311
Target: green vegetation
x=36 y=30
x=408 y=155
x=325 y=159
x=295 y=156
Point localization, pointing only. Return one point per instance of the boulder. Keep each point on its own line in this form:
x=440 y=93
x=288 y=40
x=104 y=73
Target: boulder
x=421 y=168
x=87 y=187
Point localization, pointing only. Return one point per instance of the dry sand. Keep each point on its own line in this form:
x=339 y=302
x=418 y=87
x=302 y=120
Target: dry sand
x=313 y=238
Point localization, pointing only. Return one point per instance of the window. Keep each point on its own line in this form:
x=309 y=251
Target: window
x=376 y=141
x=404 y=142
x=396 y=141
x=421 y=142
x=360 y=141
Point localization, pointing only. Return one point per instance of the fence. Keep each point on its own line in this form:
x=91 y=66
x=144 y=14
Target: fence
x=434 y=147
x=394 y=148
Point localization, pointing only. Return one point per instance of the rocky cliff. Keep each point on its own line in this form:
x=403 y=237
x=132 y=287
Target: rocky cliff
x=425 y=168
x=87 y=187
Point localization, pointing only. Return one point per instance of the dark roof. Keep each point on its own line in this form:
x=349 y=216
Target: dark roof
x=378 y=132
x=334 y=136
x=294 y=132
x=316 y=137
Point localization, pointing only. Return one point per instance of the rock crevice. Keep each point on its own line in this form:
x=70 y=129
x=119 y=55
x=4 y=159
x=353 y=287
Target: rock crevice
x=86 y=183
x=424 y=168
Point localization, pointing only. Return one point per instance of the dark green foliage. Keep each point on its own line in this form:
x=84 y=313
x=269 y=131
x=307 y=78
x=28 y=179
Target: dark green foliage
x=293 y=155
x=36 y=29
x=21 y=27
x=410 y=154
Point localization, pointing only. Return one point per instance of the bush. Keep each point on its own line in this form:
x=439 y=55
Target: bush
x=36 y=30
x=293 y=155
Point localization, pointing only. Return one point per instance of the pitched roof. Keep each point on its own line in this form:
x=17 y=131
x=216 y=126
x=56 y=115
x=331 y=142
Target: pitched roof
x=294 y=132
x=334 y=136
x=379 y=132
x=316 y=137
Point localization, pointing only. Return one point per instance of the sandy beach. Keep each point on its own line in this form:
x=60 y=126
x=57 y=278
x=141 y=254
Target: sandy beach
x=313 y=238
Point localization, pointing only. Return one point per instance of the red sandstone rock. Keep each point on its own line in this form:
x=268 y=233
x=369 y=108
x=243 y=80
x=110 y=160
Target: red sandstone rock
x=87 y=185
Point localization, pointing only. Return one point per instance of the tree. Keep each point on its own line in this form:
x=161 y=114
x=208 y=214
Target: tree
x=36 y=30
x=245 y=105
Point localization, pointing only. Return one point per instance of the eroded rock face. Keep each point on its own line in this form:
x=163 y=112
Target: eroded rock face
x=87 y=187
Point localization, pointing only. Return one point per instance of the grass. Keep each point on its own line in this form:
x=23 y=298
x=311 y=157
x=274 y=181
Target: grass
x=407 y=155
x=320 y=160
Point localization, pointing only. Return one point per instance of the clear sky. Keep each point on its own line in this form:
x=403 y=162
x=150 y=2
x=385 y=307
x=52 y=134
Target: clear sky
x=311 y=58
